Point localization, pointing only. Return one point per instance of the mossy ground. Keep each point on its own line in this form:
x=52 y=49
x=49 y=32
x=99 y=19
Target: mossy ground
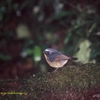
x=72 y=82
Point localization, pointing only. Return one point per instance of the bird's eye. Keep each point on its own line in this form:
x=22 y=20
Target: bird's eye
x=47 y=52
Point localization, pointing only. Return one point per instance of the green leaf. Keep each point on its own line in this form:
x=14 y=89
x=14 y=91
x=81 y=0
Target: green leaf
x=60 y=15
x=84 y=51
x=37 y=54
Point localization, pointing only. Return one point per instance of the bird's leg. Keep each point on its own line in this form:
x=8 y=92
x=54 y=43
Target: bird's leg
x=55 y=70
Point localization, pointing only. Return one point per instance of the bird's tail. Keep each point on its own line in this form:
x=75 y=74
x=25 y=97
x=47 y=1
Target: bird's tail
x=74 y=58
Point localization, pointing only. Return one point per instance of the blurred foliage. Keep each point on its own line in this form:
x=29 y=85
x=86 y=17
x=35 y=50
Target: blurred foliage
x=4 y=57
x=35 y=52
x=73 y=28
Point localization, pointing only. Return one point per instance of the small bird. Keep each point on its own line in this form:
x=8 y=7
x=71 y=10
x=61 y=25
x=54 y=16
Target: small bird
x=55 y=58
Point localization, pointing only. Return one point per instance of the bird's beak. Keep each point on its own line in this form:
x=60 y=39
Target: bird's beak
x=43 y=52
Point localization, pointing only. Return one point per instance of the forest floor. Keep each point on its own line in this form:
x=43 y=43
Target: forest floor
x=72 y=82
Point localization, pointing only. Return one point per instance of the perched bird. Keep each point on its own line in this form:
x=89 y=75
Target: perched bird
x=55 y=58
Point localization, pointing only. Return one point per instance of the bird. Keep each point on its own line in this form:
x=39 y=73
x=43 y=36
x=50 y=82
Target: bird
x=55 y=58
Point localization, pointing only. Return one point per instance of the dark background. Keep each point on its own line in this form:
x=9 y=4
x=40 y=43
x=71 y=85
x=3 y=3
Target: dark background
x=27 y=27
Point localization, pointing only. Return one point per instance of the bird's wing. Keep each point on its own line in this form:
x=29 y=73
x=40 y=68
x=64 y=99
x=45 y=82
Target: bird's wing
x=61 y=57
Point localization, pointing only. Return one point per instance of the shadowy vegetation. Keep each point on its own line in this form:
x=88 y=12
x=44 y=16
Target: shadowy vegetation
x=28 y=27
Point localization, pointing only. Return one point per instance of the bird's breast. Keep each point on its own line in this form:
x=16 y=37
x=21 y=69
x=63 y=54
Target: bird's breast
x=56 y=64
